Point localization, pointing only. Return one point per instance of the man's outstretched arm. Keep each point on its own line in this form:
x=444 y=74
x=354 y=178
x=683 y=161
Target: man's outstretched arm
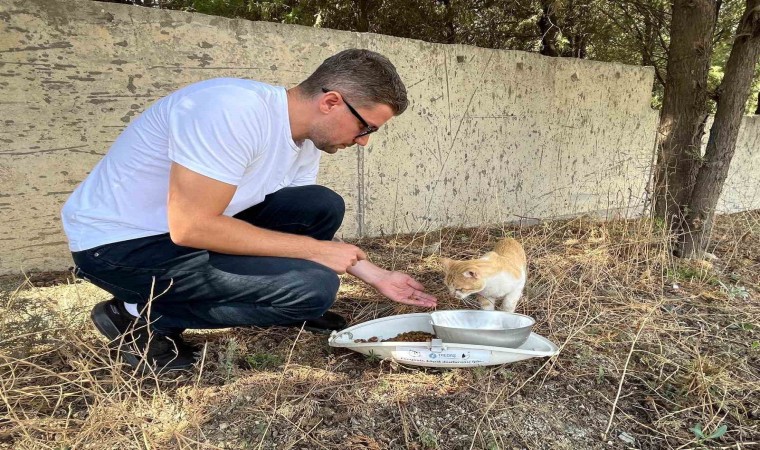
x=196 y=205
x=396 y=286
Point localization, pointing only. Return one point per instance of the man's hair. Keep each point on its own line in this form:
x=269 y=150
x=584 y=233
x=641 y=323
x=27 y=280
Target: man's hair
x=364 y=77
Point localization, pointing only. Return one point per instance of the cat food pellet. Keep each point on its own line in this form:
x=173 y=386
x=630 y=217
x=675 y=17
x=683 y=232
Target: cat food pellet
x=411 y=336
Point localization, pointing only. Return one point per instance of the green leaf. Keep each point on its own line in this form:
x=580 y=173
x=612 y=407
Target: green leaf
x=698 y=431
x=719 y=432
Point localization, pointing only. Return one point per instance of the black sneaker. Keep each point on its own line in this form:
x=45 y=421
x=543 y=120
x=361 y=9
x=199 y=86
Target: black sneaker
x=325 y=324
x=122 y=320
x=138 y=347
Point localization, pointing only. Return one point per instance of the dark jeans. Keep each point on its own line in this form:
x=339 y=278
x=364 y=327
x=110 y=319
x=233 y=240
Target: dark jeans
x=194 y=288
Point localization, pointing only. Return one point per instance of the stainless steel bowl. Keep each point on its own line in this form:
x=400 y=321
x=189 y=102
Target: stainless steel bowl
x=492 y=328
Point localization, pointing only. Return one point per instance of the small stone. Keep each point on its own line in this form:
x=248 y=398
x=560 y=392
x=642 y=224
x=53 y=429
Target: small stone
x=627 y=438
x=431 y=249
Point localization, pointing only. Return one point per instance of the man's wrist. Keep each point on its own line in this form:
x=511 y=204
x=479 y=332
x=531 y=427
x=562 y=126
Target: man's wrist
x=309 y=247
x=367 y=272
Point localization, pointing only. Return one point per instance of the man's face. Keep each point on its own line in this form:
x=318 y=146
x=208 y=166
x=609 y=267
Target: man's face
x=341 y=128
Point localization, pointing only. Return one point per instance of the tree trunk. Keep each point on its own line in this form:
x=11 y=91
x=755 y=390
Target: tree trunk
x=451 y=31
x=362 y=20
x=649 y=42
x=732 y=97
x=684 y=108
x=578 y=44
x=547 y=26
x=575 y=33
x=757 y=110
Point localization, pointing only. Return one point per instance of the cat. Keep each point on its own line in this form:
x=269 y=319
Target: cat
x=497 y=275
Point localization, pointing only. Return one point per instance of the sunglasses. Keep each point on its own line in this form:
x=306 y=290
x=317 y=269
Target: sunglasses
x=368 y=129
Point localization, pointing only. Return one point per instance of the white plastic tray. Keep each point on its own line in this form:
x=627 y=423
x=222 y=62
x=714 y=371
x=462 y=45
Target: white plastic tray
x=435 y=353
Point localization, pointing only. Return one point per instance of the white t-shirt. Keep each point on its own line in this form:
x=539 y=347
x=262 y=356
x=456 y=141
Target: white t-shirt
x=232 y=130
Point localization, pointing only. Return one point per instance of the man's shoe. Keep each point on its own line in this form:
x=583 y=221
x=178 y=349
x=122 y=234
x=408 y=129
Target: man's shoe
x=143 y=350
x=325 y=324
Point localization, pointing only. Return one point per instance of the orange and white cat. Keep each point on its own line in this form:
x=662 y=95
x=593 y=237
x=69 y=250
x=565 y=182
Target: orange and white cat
x=498 y=275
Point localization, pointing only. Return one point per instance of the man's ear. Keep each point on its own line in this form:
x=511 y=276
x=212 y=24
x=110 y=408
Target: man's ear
x=328 y=101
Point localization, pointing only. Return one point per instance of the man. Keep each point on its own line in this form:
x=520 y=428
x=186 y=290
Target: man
x=204 y=212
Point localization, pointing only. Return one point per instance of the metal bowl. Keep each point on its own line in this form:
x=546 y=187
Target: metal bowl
x=492 y=328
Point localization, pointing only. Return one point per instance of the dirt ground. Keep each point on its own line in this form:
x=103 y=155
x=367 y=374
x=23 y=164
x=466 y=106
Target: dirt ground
x=655 y=353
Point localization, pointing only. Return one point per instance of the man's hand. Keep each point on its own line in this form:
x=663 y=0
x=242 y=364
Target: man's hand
x=402 y=288
x=397 y=286
x=338 y=256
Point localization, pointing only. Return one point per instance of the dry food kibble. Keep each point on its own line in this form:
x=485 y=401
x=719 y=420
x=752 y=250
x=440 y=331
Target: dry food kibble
x=411 y=336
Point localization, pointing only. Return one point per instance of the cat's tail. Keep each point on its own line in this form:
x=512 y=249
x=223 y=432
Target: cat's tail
x=509 y=247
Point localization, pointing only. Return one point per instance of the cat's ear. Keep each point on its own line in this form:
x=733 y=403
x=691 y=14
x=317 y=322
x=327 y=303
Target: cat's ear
x=471 y=274
x=446 y=263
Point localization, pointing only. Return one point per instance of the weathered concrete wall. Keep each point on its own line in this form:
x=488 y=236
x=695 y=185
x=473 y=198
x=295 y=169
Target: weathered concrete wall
x=741 y=192
x=489 y=136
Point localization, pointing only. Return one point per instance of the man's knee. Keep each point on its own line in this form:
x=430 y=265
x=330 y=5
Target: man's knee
x=316 y=295
x=326 y=210
x=325 y=292
x=328 y=202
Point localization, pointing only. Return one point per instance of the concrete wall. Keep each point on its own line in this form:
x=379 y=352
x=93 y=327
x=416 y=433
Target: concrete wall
x=489 y=136
x=741 y=192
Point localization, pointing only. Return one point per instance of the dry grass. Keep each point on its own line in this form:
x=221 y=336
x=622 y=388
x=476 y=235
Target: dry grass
x=650 y=348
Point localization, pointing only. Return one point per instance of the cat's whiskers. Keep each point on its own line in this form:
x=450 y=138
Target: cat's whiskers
x=471 y=301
